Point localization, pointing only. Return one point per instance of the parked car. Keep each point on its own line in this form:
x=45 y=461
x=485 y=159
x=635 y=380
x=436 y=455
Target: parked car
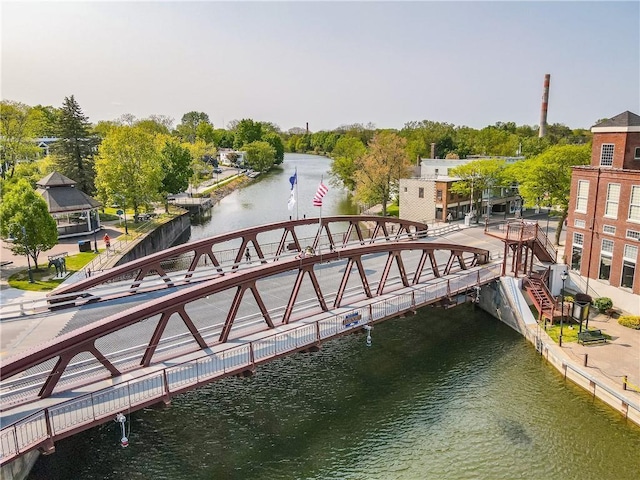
x=217 y=170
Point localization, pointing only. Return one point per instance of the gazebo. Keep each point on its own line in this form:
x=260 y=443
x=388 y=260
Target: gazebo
x=75 y=212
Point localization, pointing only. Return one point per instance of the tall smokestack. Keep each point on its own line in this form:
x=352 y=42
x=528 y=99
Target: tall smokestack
x=545 y=104
x=307 y=128
x=433 y=150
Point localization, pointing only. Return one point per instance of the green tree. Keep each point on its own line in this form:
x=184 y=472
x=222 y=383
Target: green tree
x=129 y=168
x=16 y=142
x=176 y=167
x=187 y=129
x=200 y=151
x=152 y=126
x=247 y=131
x=205 y=132
x=476 y=177
x=260 y=155
x=44 y=121
x=303 y=144
x=223 y=138
x=546 y=178
x=379 y=171
x=347 y=151
x=275 y=141
x=75 y=148
x=24 y=216
x=420 y=136
x=102 y=128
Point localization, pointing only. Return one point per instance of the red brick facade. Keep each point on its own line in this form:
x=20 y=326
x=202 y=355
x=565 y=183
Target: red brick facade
x=600 y=214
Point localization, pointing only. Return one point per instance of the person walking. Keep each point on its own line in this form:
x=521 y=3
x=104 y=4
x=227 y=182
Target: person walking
x=449 y=218
x=247 y=256
x=107 y=241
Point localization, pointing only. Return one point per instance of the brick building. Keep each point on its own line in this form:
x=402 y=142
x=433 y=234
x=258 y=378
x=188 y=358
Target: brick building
x=603 y=223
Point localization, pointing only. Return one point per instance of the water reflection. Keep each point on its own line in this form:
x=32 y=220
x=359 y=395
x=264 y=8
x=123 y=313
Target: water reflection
x=265 y=199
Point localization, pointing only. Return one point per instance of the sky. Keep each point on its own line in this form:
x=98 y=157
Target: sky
x=326 y=63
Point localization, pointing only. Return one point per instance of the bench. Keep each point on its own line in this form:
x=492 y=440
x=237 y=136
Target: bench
x=591 y=336
x=58 y=255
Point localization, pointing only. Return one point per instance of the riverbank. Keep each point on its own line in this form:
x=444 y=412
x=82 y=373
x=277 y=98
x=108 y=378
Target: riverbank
x=607 y=371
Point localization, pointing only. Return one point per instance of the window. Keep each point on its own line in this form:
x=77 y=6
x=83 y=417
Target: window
x=610 y=229
x=439 y=195
x=583 y=196
x=420 y=192
x=579 y=223
x=605 y=260
x=634 y=204
x=637 y=154
x=451 y=195
x=606 y=155
x=613 y=197
x=633 y=234
x=629 y=265
x=576 y=252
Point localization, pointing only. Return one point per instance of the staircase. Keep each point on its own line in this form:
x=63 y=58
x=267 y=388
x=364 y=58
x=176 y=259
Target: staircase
x=545 y=303
x=521 y=233
x=543 y=248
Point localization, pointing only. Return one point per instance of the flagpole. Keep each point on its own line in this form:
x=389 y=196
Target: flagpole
x=320 y=221
x=297 y=206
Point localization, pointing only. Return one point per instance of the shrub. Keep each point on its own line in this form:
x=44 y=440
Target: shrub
x=569 y=298
x=630 y=321
x=603 y=304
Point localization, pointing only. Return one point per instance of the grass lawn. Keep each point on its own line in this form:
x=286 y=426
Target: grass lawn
x=393 y=210
x=45 y=279
x=569 y=332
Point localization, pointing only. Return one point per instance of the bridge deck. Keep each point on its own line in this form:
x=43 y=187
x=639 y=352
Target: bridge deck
x=29 y=425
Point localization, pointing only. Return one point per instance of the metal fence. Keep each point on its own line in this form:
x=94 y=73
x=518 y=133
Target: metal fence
x=93 y=408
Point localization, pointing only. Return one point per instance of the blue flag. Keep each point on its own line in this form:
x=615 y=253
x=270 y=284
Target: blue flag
x=293 y=179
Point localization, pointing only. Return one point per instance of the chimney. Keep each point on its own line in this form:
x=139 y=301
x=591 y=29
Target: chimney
x=545 y=103
x=433 y=150
x=307 y=128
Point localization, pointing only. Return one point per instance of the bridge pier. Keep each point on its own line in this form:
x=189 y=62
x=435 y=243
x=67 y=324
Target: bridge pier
x=250 y=372
x=47 y=448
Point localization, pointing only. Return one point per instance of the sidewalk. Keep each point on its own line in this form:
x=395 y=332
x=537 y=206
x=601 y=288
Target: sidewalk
x=19 y=262
x=610 y=361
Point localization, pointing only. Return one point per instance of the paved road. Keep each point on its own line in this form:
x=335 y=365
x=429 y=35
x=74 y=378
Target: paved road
x=619 y=357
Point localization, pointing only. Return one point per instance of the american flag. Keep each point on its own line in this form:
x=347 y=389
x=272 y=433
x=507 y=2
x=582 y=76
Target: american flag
x=321 y=192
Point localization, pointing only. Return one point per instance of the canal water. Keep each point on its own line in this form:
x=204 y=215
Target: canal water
x=452 y=394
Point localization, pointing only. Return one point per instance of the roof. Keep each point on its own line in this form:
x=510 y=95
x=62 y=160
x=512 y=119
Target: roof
x=67 y=199
x=55 y=179
x=61 y=195
x=623 y=122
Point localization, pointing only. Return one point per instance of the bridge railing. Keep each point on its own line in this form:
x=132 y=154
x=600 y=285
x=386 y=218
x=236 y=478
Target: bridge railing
x=93 y=408
x=176 y=265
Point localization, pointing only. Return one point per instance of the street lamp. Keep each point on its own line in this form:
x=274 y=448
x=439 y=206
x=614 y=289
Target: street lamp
x=124 y=212
x=563 y=277
x=94 y=225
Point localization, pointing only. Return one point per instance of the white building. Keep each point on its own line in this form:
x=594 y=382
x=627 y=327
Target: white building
x=429 y=198
x=231 y=158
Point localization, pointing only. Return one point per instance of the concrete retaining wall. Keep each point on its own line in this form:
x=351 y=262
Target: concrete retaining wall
x=19 y=469
x=504 y=300
x=174 y=231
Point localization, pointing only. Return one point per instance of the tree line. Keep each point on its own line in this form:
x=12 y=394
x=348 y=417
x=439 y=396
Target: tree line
x=133 y=162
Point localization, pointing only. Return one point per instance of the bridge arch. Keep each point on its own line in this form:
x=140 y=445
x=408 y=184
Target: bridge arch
x=178 y=265
x=179 y=304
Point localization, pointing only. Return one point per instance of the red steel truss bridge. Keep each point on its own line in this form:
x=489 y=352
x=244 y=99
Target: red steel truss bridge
x=176 y=334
